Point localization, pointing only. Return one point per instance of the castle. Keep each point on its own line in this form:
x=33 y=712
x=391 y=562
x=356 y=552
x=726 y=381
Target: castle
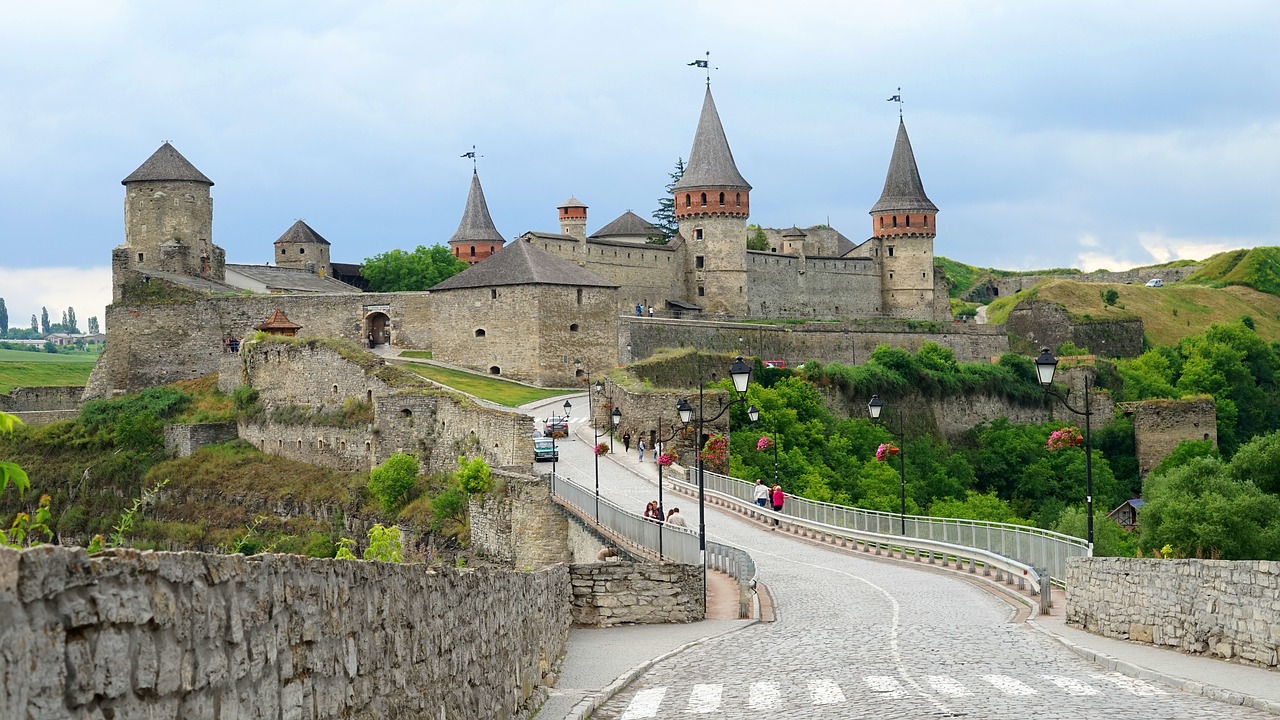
x=544 y=308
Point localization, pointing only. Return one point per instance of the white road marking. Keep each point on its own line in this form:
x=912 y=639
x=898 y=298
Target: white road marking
x=705 y=698
x=1072 y=685
x=885 y=684
x=947 y=686
x=1134 y=687
x=825 y=692
x=763 y=696
x=1008 y=685
x=645 y=704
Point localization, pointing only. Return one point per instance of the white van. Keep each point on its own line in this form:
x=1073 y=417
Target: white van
x=1155 y=282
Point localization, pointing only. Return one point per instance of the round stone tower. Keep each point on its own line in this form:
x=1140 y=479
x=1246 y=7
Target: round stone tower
x=573 y=219
x=168 y=219
x=712 y=203
x=302 y=248
x=904 y=224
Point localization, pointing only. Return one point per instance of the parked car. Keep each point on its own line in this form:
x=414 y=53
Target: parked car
x=557 y=426
x=545 y=449
x=1155 y=282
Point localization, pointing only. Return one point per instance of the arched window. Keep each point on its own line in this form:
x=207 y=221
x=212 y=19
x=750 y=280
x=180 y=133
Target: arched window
x=473 y=251
x=495 y=370
x=737 y=199
x=283 y=251
x=688 y=202
x=704 y=199
x=908 y=221
x=302 y=251
x=479 y=332
x=721 y=199
x=926 y=221
x=881 y=221
x=895 y=221
x=406 y=412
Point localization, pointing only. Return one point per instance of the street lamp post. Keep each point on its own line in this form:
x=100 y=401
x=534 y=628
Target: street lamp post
x=874 y=408
x=662 y=441
x=615 y=417
x=741 y=374
x=555 y=454
x=1045 y=366
x=753 y=413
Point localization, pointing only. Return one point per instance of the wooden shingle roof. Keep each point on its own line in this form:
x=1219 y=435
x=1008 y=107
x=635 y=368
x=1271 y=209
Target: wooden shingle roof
x=166 y=164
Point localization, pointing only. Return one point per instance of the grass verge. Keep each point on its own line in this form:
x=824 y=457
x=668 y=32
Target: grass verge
x=492 y=389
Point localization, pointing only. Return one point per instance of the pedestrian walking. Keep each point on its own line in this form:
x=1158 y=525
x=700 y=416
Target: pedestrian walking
x=657 y=450
x=653 y=512
x=675 y=518
x=778 y=497
x=762 y=493
x=626 y=440
x=651 y=311
x=642 y=448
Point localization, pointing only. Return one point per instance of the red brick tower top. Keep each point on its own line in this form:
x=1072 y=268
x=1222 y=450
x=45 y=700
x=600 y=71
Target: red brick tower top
x=711 y=184
x=903 y=208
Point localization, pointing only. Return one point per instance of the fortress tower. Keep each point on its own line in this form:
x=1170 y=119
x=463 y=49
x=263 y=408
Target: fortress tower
x=168 y=221
x=302 y=248
x=476 y=238
x=904 y=224
x=712 y=202
x=573 y=219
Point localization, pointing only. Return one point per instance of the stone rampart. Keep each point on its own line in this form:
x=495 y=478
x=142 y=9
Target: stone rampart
x=1159 y=426
x=186 y=635
x=1044 y=324
x=646 y=274
x=1006 y=286
x=613 y=593
x=181 y=440
x=519 y=524
x=650 y=415
x=42 y=399
x=1221 y=608
x=788 y=286
x=844 y=342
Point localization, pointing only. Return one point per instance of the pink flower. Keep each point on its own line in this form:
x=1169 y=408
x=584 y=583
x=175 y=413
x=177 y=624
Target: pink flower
x=886 y=451
x=765 y=443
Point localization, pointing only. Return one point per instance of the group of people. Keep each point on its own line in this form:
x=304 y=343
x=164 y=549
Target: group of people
x=766 y=496
x=641 y=446
x=653 y=511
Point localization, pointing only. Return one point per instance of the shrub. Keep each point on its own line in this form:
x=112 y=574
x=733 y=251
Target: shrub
x=1110 y=296
x=392 y=481
x=449 y=505
x=474 y=475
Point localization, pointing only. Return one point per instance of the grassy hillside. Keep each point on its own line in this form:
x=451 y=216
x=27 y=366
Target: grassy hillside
x=1257 y=268
x=19 y=368
x=961 y=277
x=1168 y=314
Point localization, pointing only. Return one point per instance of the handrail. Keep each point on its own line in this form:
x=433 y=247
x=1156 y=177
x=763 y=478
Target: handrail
x=1006 y=569
x=1030 y=546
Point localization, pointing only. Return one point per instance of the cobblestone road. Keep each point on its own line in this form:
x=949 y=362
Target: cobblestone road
x=858 y=638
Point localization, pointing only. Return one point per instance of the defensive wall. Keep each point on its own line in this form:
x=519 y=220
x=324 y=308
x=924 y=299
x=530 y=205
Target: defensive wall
x=183 y=439
x=1044 y=324
x=790 y=286
x=1222 y=608
x=188 y=635
x=41 y=405
x=650 y=414
x=155 y=343
x=337 y=406
x=647 y=274
x=848 y=342
x=1006 y=286
x=1159 y=426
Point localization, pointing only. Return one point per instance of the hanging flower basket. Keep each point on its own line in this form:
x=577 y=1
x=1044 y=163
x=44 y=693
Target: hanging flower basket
x=886 y=451
x=1063 y=438
x=602 y=449
x=765 y=443
x=666 y=458
x=716 y=454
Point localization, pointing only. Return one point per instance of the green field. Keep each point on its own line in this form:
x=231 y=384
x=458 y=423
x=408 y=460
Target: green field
x=482 y=386
x=19 y=368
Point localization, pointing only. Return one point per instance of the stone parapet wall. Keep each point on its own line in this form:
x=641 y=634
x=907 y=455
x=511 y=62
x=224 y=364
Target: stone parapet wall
x=44 y=417
x=520 y=524
x=788 y=286
x=613 y=593
x=42 y=399
x=181 y=440
x=1222 y=608
x=186 y=635
x=1159 y=426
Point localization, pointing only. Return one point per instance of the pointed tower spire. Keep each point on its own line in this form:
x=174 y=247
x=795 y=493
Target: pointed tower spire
x=711 y=161
x=166 y=163
x=476 y=237
x=903 y=190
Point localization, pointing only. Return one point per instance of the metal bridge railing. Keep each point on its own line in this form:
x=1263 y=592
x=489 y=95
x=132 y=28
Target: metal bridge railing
x=1027 y=545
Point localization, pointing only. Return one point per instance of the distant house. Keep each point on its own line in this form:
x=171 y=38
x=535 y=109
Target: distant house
x=61 y=339
x=1127 y=514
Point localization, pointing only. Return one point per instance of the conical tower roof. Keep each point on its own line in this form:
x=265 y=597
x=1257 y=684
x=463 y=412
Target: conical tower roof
x=300 y=232
x=711 y=161
x=627 y=224
x=166 y=164
x=902 y=187
x=476 y=224
x=523 y=263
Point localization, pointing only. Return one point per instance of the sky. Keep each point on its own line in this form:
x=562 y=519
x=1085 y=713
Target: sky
x=1086 y=134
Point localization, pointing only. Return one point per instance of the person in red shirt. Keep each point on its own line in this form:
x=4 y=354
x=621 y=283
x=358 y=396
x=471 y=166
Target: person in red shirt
x=777 y=497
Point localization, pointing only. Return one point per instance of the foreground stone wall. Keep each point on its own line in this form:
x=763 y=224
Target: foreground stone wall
x=186 y=635
x=613 y=593
x=1222 y=608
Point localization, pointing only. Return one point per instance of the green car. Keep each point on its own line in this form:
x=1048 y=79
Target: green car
x=544 y=449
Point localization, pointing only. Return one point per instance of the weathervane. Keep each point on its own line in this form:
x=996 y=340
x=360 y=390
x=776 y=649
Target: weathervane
x=705 y=64
x=473 y=157
x=898 y=99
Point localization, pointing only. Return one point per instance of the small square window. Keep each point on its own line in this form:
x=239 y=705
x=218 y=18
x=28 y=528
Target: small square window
x=699 y=262
x=701 y=291
x=697 y=234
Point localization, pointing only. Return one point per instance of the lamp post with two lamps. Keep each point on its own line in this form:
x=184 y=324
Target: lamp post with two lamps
x=1045 y=366
x=874 y=408
x=741 y=374
x=555 y=454
x=615 y=417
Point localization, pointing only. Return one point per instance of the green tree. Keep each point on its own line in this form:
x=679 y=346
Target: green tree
x=70 y=321
x=1258 y=461
x=44 y=320
x=392 y=481
x=35 y=326
x=397 y=270
x=757 y=240
x=93 y=325
x=1109 y=539
x=474 y=475
x=4 y=319
x=665 y=216
x=977 y=506
x=1200 y=510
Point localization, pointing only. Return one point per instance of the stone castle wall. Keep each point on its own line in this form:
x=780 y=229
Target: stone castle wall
x=651 y=415
x=42 y=399
x=1159 y=426
x=787 y=286
x=848 y=342
x=1045 y=324
x=1221 y=608
x=155 y=344
x=181 y=440
x=186 y=635
x=613 y=593
x=647 y=274
x=1006 y=286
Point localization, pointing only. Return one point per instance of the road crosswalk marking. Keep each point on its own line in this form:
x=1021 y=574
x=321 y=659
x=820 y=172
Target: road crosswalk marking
x=709 y=698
